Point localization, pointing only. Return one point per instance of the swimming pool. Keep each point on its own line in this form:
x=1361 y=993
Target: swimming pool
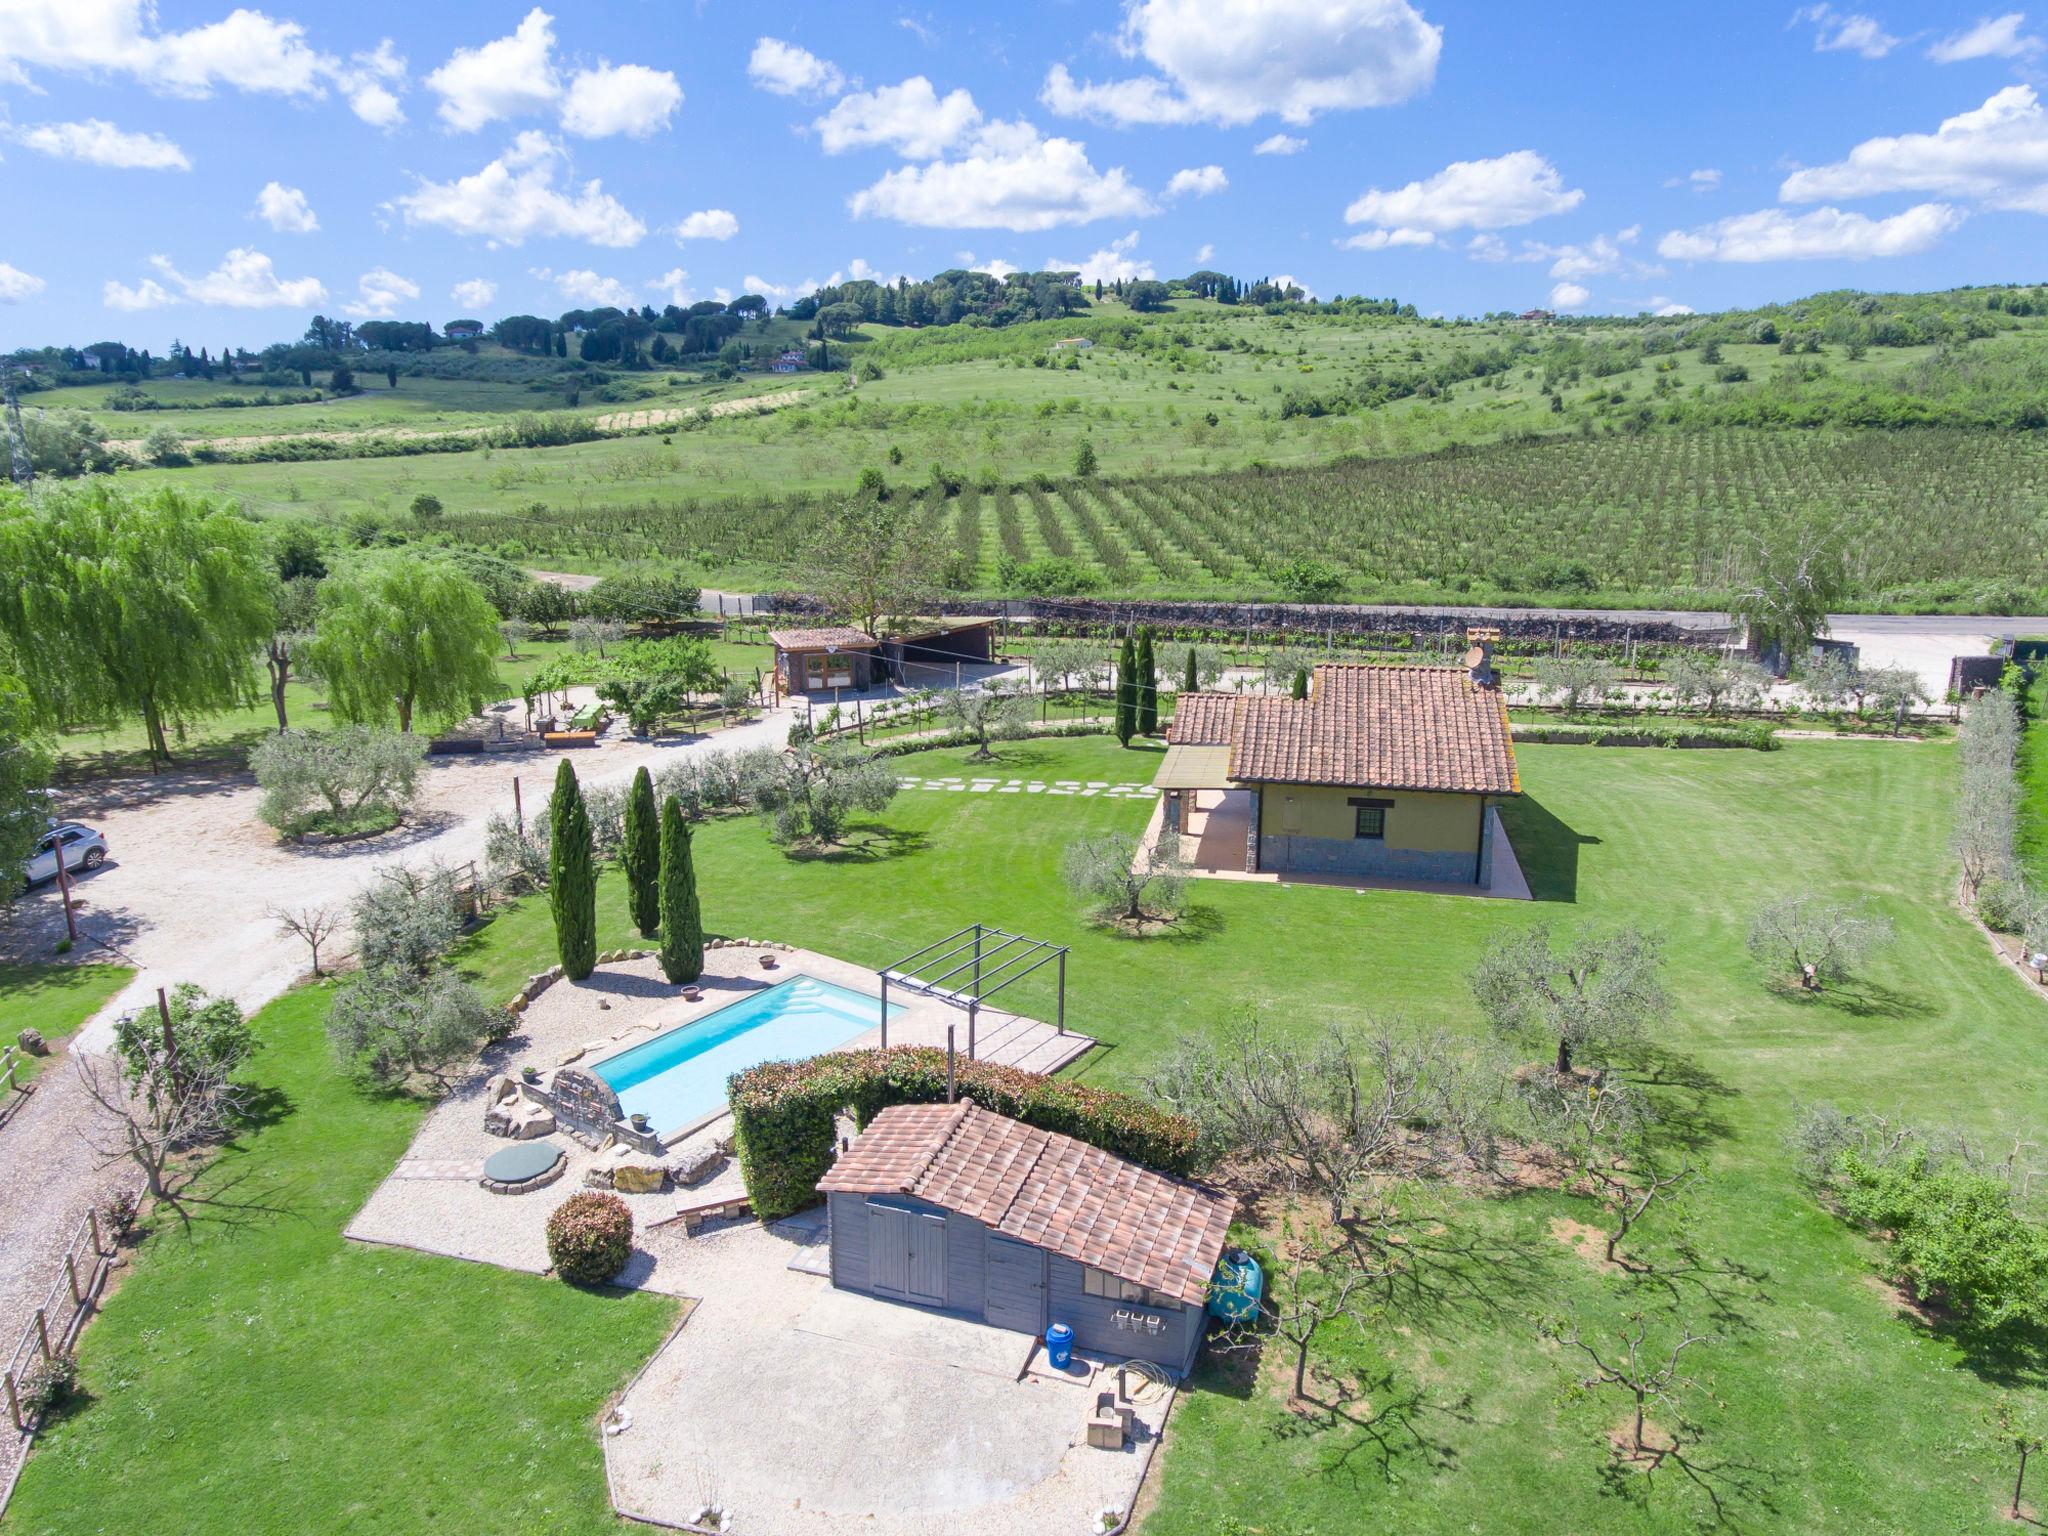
x=679 y=1077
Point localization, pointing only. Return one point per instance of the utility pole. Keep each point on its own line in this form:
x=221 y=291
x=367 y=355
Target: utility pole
x=23 y=472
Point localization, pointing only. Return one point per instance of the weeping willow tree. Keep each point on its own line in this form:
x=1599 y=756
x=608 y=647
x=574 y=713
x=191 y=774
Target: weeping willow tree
x=150 y=606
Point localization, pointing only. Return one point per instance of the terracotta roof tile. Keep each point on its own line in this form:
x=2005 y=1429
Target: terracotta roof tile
x=1379 y=727
x=1202 y=719
x=845 y=636
x=1043 y=1188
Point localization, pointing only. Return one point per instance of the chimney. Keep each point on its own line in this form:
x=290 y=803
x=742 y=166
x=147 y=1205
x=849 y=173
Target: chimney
x=1479 y=640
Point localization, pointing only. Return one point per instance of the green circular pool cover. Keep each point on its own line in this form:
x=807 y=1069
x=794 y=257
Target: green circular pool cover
x=517 y=1164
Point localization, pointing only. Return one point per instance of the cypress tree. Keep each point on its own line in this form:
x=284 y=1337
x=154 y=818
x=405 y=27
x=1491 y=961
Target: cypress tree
x=1300 y=689
x=1127 y=692
x=1192 y=683
x=572 y=876
x=682 y=925
x=1148 y=686
x=642 y=854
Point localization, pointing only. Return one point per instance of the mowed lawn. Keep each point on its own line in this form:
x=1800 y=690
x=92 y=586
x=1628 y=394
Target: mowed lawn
x=262 y=1374
x=54 y=1000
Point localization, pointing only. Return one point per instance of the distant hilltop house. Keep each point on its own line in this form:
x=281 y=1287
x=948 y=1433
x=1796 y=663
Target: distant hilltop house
x=1382 y=772
x=788 y=361
x=463 y=330
x=1073 y=344
x=1535 y=314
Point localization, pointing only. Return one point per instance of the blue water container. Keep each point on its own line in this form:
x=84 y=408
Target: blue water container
x=1238 y=1284
x=1059 y=1346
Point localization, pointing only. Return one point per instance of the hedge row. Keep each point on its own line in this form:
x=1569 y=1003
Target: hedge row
x=1758 y=736
x=903 y=746
x=784 y=1114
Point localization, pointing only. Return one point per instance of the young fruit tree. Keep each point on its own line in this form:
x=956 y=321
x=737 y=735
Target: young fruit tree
x=1121 y=880
x=572 y=876
x=1599 y=992
x=640 y=849
x=681 y=921
x=403 y=634
x=1316 y=1282
x=1597 y=1128
x=1814 y=940
x=312 y=925
x=1642 y=1374
x=987 y=715
x=2024 y=1427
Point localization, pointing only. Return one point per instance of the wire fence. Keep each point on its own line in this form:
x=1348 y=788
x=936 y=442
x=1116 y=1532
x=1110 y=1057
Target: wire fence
x=56 y=1322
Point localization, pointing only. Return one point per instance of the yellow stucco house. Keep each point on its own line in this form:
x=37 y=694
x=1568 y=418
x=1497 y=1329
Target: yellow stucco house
x=1382 y=772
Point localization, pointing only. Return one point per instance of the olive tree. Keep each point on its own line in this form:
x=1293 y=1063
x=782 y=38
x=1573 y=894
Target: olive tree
x=809 y=792
x=1123 y=880
x=1816 y=940
x=401 y=634
x=408 y=917
x=987 y=715
x=1576 y=680
x=394 y=1028
x=332 y=780
x=1595 y=993
x=1986 y=828
x=1713 y=682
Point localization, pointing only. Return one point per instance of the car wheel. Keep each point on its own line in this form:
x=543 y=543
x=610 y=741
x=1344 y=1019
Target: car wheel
x=95 y=857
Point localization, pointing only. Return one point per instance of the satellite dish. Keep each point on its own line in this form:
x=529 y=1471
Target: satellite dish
x=1475 y=657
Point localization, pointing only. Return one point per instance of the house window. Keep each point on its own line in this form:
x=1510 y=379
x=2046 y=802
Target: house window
x=1100 y=1282
x=1372 y=823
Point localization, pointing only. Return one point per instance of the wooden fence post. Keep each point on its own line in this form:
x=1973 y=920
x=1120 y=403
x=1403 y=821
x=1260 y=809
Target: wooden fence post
x=93 y=1218
x=14 y=1403
x=43 y=1332
x=71 y=1274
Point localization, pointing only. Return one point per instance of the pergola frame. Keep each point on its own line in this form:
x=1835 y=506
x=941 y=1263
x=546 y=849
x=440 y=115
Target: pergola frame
x=980 y=945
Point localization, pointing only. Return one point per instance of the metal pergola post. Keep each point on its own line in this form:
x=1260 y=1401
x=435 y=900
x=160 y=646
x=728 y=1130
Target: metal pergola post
x=973 y=951
x=1062 y=1018
x=885 y=1010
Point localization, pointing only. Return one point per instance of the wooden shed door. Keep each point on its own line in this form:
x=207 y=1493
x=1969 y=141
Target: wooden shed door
x=908 y=1252
x=1016 y=1285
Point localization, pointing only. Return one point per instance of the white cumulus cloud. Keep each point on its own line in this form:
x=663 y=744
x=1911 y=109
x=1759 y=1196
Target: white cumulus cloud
x=1996 y=154
x=1114 y=262
x=911 y=118
x=1994 y=37
x=510 y=76
x=475 y=292
x=17 y=285
x=98 y=142
x=515 y=198
x=285 y=209
x=707 y=224
x=1569 y=296
x=245 y=279
x=1280 y=144
x=674 y=286
x=788 y=70
x=1513 y=189
x=1387 y=239
x=1009 y=179
x=1668 y=308
x=1772 y=234
x=1845 y=32
x=584 y=287
x=625 y=98
x=1198 y=181
x=379 y=292
x=1233 y=61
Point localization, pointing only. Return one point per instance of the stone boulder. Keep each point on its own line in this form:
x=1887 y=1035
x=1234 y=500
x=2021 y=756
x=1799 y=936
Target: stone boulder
x=695 y=1164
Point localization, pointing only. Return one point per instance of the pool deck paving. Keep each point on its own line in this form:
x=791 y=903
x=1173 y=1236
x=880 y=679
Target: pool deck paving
x=432 y=1201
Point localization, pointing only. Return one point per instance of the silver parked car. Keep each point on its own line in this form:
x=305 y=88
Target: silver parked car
x=83 y=849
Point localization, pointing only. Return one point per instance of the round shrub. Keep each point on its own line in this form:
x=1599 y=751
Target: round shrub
x=590 y=1237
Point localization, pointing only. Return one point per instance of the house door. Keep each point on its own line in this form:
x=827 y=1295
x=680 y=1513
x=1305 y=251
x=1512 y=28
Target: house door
x=1016 y=1285
x=907 y=1254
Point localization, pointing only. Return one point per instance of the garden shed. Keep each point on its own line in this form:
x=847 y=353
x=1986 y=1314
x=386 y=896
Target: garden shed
x=953 y=1207
x=820 y=660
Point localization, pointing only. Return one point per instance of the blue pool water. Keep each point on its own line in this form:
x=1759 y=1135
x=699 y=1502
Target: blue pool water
x=679 y=1077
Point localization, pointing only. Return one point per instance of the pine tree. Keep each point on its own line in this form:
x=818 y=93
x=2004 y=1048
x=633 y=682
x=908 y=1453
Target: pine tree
x=642 y=855
x=1192 y=683
x=682 y=924
x=572 y=876
x=1127 y=692
x=1148 y=686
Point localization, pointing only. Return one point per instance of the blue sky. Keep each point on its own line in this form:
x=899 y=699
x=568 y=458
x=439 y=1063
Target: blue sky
x=216 y=174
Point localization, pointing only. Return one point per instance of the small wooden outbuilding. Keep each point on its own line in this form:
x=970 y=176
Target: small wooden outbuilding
x=820 y=660
x=953 y=1207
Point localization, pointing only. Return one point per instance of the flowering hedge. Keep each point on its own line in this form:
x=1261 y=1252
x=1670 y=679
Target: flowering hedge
x=784 y=1113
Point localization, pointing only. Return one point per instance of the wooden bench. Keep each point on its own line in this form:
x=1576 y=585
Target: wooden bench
x=569 y=738
x=695 y=1217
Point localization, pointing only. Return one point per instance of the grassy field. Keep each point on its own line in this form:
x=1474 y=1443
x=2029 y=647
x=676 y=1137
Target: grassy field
x=1820 y=1405
x=54 y=999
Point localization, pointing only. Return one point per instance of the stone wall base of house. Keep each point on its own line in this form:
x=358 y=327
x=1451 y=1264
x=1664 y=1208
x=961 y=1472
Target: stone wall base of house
x=1281 y=853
